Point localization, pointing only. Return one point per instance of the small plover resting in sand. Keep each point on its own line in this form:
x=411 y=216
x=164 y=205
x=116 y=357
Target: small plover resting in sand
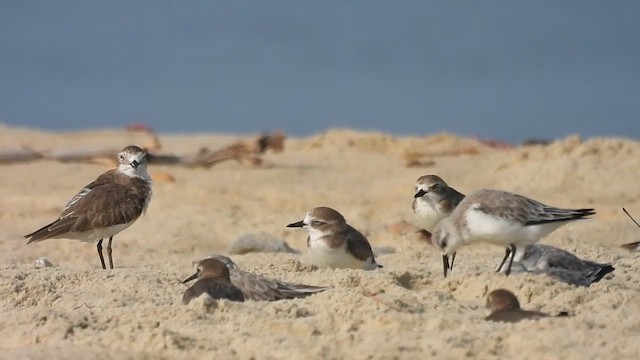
x=500 y=218
x=214 y=283
x=503 y=306
x=332 y=243
x=257 y=288
x=102 y=209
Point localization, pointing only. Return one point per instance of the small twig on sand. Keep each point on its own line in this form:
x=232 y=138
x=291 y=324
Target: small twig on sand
x=634 y=246
x=630 y=217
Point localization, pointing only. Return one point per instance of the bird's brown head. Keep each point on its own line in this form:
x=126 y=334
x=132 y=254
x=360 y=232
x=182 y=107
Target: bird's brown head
x=210 y=268
x=322 y=219
x=225 y=260
x=431 y=185
x=502 y=299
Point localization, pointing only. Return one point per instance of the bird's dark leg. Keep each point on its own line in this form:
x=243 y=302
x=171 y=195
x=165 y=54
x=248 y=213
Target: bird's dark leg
x=445 y=264
x=100 y=253
x=513 y=255
x=453 y=259
x=109 y=253
x=506 y=255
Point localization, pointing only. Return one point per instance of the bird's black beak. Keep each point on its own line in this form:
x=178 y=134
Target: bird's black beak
x=190 y=278
x=420 y=193
x=134 y=164
x=296 y=224
x=445 y=264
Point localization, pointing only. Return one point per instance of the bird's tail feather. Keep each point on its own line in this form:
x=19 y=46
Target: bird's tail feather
x=56 y=228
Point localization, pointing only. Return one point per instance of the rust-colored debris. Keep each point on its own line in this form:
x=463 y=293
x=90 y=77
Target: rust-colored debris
x=417 y=159
x=246 y=152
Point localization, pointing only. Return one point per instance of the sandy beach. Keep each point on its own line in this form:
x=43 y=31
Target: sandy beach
x=77 y=310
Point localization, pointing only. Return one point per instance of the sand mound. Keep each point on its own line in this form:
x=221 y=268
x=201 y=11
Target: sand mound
x=344 y=139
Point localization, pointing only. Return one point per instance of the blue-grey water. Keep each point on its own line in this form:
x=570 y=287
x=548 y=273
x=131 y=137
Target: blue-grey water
x=508 y=70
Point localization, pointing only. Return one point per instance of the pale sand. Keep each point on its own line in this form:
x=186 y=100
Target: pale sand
x=76 y=310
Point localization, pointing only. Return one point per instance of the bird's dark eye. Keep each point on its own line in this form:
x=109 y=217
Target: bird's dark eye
x=120 y=156
x=316 y=223
x=435 y=186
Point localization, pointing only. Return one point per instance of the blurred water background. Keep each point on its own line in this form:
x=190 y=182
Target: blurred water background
x=509 y=70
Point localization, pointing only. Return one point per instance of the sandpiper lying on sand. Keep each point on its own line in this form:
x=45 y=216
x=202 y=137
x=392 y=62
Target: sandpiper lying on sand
x=634 y=246
x=213 y=282
x=256 y=287
x=332 y=243
x=102 y=209
x=559 y=264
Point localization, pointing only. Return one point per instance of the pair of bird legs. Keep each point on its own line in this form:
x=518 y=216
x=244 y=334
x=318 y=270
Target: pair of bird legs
x=99 y=246
x=510 y=250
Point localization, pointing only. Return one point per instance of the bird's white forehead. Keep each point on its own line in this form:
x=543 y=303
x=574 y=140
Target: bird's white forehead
x=132 y=155
x=426 y=182
x=307 y=218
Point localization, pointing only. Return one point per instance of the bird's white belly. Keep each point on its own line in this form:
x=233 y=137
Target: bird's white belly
x=323 y=256
x=428 y=215
x=482 y=227
x=97 y=234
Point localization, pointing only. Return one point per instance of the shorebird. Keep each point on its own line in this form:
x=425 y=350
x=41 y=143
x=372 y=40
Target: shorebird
x=559 y=264
x=257 y=288
x=504 y=306
x=332 y=243
x=500 y=218
x=433 y=201
x=105 y=207
x=214 y=282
